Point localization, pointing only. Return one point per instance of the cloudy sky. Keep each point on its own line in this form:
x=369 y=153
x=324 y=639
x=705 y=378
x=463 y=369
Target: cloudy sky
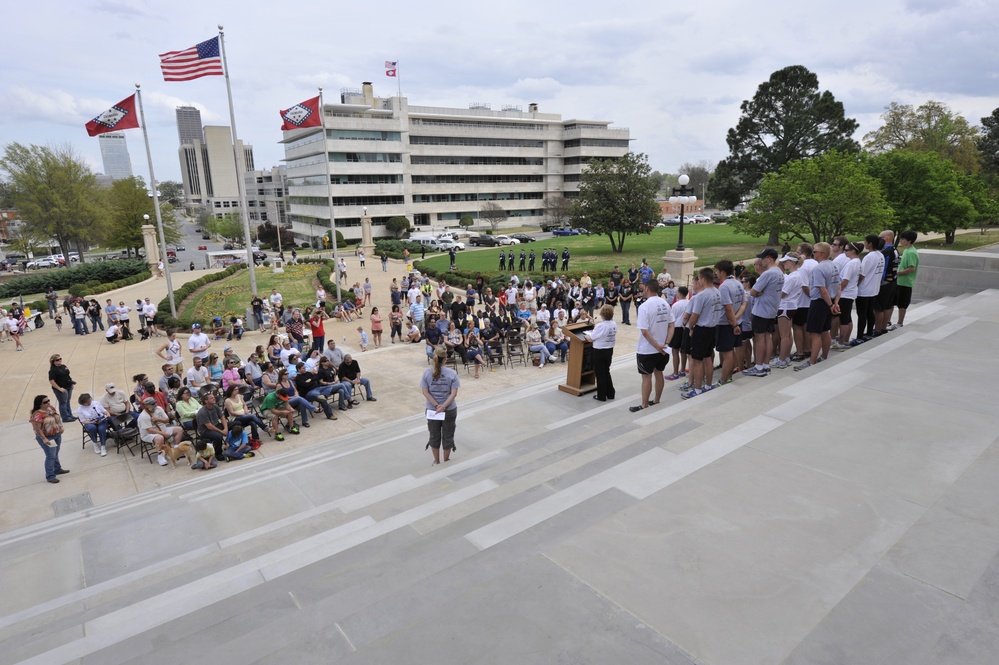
x=673 y=73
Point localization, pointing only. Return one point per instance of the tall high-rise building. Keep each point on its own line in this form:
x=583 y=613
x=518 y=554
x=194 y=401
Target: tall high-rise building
x=188 y=124
x=208 y=170
x=434 y=164
x=114 y=154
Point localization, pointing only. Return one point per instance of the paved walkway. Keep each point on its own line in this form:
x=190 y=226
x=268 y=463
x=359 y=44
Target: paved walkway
x=845 y=514
x=25 y=496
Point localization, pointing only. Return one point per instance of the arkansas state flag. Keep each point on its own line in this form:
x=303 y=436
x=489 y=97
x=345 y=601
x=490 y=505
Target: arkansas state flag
x=302 y=115
x=120 y=116
x=391 y=67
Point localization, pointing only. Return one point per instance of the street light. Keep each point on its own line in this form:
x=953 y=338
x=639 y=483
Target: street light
x=683 y=195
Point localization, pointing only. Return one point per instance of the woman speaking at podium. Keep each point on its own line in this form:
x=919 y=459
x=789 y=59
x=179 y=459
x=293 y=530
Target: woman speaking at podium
x=603 y=336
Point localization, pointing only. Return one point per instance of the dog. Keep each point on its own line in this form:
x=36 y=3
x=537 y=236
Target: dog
x=173 y=453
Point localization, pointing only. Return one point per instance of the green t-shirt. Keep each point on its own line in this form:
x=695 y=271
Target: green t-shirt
x=271 y=400
x=910 y=259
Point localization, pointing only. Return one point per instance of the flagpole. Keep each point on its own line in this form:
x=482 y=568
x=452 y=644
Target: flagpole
x=329 y=190
x=398 y=80
x=156 y=204
x=240 y=172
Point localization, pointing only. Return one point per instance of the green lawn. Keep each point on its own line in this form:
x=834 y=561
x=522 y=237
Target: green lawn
x=711 y=242
x=232 y=295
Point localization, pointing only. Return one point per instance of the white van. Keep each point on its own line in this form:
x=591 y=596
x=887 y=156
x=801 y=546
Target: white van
x=427 y=241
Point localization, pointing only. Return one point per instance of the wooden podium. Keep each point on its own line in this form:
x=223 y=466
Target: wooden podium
x=580 y=377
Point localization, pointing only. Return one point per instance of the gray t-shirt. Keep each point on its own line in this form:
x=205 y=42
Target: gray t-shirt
x=733 y=294
x=707 y=305
x=768 y=286
x=440 y=387
x=824 y=274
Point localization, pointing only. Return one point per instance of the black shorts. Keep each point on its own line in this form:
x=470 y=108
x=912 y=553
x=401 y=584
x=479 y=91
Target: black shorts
x=702 y=343
x=886 y=297
x=676 y=340
x=819 y=317
x=747 y=334
x=903 y=296
x=684 y=340
x=652 y=362
x=800 y=317
x=724 y=338
x=762 y=326
x=845 y=311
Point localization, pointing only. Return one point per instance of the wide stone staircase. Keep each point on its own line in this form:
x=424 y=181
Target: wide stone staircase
x=843 y=514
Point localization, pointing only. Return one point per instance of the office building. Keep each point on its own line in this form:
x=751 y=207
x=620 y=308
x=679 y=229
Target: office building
x=208 y=171
x=434 y=164
x=188 y=124
x=266 y=196
x=114 y=154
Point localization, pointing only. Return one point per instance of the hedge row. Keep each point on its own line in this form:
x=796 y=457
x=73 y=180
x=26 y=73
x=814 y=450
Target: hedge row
x=100 y=273
x=180 y=295
x=394 y=247
x=94 y=288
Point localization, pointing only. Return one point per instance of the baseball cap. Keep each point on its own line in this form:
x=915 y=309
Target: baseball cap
x=197 y=326
x=109 y=386
x=790 y=256
x=769 y=252
x=149 y=400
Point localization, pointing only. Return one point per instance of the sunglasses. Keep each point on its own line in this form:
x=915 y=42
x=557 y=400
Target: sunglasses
x=45 y=401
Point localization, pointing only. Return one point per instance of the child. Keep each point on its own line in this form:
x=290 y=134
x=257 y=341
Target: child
x=237 y=444
x=206 y=456
x=364 y=338
x=218 y=330
x=58 y=321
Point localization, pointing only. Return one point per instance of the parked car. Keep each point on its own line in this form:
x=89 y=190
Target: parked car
x=202 y=247
x=179 y=248
x=698 y=218
x=565 y=232
x=523 y=237
x=483 y=240
x=507 y=240
x=44 y=262
x=258 y=255
x=228 y=246
x=205 y=236
x=446 y=244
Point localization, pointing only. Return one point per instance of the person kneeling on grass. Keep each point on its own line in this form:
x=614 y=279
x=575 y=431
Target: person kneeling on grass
x=275 y=406
x=237 y=444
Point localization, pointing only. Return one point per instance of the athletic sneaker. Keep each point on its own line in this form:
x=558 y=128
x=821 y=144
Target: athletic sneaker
x=856 y=342
x=752 y=371
x=707 y=389
x=684 y=386
x=836 y=346
x=893 y=326
x=798 y=357
x=781 y=364
x=690 y=393
x=674 y=377
x=804 y=365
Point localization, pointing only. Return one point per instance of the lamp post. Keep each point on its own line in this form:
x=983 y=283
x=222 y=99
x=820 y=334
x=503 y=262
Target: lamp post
x=683 y=195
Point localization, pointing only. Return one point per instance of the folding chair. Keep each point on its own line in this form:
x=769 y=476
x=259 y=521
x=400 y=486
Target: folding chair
x=515 y=349
x=494 y=353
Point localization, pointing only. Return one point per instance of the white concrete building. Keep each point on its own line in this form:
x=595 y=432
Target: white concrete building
x=266 y=196
x=208 y=170
x=435 y=164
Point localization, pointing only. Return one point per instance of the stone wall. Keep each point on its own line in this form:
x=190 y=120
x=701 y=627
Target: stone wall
x=943 y=273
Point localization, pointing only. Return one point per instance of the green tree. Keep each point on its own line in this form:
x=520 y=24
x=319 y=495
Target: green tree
x=493 y=214
x=925 y=191
x=172 y=192
x=127 y=201
x=786 y=120
x=816 y=199
x=617 y=198
x=988 y=143
x=466 y=221
x=230 y=226
x=397 y=225
x=55 y=193
x=931 y=127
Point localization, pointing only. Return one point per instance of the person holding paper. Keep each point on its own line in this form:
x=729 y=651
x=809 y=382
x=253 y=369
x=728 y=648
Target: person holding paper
x=440 y=387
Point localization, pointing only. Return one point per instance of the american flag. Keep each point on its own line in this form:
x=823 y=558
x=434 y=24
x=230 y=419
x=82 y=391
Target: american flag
x=390 y=64
x=192 y=63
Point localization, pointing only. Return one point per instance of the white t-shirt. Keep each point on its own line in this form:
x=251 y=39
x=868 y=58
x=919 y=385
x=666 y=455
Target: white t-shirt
x=149 y=310
x=850 y=271
x=197 y=377
x=791 y=291
x=196 y=341
x=872 y=266
x=806 y=278
x=655 y=316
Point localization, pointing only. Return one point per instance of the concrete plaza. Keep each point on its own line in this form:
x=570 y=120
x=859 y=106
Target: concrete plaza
x=845 y=514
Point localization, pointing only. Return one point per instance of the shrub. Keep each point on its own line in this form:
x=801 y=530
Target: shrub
x=103 y=274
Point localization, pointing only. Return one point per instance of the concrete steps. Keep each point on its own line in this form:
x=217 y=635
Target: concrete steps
x=364 y=534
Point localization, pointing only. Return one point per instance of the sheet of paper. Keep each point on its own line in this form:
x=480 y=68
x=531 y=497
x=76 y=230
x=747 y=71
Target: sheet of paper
x=433 y=415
